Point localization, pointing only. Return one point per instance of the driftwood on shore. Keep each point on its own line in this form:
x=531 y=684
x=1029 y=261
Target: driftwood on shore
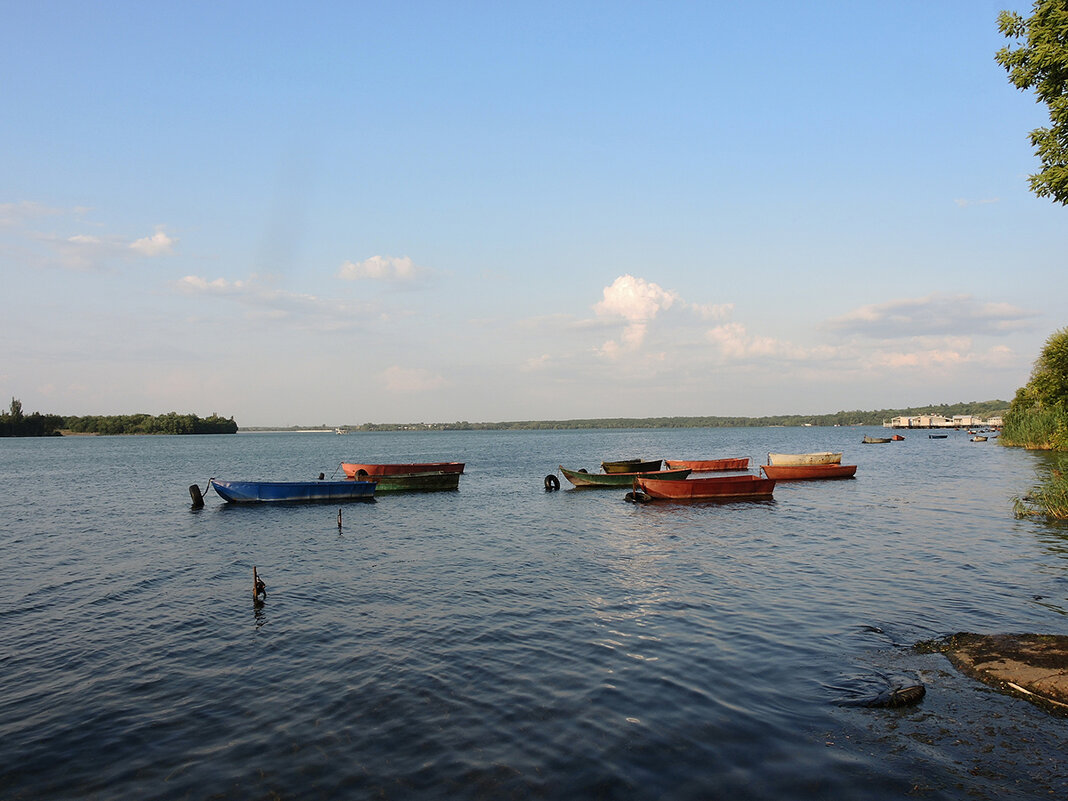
x=1031 y=666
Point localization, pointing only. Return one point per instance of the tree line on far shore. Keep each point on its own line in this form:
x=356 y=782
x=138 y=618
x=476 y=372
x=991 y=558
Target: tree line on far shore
x=15 y=423
x=853 y=418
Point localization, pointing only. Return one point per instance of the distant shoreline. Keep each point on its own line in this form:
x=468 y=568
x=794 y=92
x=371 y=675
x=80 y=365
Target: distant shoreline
x=844 y=419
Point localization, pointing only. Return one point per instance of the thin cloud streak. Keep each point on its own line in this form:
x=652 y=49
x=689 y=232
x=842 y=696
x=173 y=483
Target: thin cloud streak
x=391 y=269
x=955 y=315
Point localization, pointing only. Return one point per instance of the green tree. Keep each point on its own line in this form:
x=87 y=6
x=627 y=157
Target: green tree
x=1048 y=386
x=1040 y=62
x=1038 y=416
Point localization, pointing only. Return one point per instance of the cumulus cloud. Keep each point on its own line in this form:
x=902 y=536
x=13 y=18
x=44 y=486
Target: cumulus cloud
x=158 y=244
x=396 y=269
x=635 y=301
x=936 y=314
x=406 y=379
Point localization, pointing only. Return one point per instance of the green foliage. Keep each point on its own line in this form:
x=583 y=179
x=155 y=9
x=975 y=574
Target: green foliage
x=17 y=424
x=1040 y=62
x=1049 y=498
x=1038 y=416
x=171 y=423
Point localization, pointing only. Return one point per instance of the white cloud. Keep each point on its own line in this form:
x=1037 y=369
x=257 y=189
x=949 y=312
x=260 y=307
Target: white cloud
x=12 y=214
x=156 y=245
x=383 y=268
x=634 y=299
x=933 y=314
x=73 y=251
x=405 y=379
x=263 y=301
x=638 y=302
x=734 y=342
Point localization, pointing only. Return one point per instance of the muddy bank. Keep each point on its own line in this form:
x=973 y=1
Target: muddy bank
x=1031 y=666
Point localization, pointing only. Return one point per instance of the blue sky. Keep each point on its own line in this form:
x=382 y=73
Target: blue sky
x=349 y=212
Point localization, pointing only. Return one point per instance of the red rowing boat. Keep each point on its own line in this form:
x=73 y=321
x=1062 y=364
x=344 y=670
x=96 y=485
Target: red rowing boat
x=797 y=472
x=709 y=465
x=401 y=469
x=712 y=488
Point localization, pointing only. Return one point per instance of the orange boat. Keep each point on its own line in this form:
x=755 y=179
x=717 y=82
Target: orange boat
x=401 y=469
x=711 y=488
x=797 y=472
x=708 y=465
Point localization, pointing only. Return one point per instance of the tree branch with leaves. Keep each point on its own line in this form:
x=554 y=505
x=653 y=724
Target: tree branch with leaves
x=1040 y=62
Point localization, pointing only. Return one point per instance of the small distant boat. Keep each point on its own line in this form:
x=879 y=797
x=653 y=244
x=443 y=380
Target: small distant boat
x=821 y=457
x=937 y=436
x=631 y=466
x=978 y=438
x=351 y=469
x=341 y=431
x=288 y=491
x=875 y=440
x=580 y=478
x=800 y=472
x=436 y=481
x=720 y=488
x=897 y=438
x=708 y=465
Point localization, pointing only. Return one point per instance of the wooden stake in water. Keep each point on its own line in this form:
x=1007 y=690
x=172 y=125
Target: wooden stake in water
x=259 y=589
x=339 y=520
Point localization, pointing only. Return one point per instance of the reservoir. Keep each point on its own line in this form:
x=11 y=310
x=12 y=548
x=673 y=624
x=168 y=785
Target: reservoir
x=502 y=641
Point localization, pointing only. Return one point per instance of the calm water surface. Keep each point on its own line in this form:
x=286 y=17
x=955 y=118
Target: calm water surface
x=505 y=642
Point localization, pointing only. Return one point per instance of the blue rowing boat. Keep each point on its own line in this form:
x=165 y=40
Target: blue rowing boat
x=282 y=491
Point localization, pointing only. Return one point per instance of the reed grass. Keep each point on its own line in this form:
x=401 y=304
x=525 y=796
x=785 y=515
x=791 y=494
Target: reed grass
x=1037 y=429
x=1049 y=498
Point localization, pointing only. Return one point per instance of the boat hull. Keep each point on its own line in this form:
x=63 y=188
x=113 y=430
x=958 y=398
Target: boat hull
x=807 y=472
x=875 y=440
x=352 y=469
x=708 y=465
x=416 y=482
x=617 y=480
x=631 y=466
x=822 y=457
x=293 y=491
x=714 y=488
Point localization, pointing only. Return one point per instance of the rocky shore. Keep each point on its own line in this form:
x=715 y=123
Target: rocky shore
x=1030 y=666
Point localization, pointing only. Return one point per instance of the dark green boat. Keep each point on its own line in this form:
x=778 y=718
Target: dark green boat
x=436 y=481
x=580 y=478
